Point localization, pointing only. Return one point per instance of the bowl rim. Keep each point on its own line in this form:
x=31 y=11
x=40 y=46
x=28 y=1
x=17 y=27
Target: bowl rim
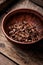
x=10 y=13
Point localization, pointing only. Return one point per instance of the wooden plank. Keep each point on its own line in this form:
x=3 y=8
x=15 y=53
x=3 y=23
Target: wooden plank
x=38 y=2
x=5 y=61
x=15 y=52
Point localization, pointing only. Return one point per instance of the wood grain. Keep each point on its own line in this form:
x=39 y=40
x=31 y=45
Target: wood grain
x=5 y=61
x=39 y=2
x=20 y=53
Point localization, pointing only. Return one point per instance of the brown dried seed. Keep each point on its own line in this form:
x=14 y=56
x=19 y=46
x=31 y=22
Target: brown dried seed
x=25 y=22
x=24 y=27
x=24 y=32
x=26 y=40
x=10 y=27
x=11 y=32
x=14 y=30
x=13 y=35
x=19 y=27
x=19 y=38
x=34 y=39
x=15 y=25
x=32 y=30
x=21 y=30
x=27 y=35
x=29 y=40
x=22 y=35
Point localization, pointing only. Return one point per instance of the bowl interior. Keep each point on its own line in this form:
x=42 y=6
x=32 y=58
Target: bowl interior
x=32 y=17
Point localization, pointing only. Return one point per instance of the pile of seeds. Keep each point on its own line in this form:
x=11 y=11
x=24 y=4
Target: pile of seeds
x=23 y=32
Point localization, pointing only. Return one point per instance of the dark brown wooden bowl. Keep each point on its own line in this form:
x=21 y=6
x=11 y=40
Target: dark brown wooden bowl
x=30 y=15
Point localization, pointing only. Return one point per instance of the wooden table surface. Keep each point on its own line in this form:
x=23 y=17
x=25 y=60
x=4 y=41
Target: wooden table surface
x=5 y=61
x=14 y=54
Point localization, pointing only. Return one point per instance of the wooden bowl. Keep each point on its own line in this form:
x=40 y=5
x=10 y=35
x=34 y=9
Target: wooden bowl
x=30 y=15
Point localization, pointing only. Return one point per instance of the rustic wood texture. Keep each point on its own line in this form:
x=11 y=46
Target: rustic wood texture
x=39 y=2
x=5 y=61
x=15 y=52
